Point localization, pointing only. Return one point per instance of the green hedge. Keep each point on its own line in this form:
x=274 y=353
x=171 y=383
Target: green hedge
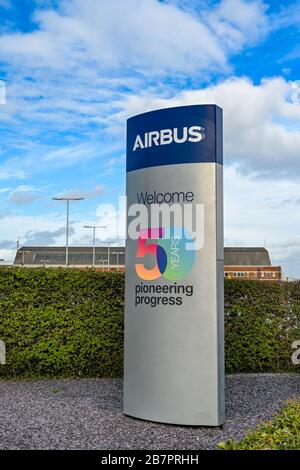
x=69 y=323
x=262 y=320
x=282 y=433
x=61 y=323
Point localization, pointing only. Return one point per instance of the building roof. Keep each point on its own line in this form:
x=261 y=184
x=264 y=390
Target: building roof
x=233 y=256
x=241 y=256
x=62 y=249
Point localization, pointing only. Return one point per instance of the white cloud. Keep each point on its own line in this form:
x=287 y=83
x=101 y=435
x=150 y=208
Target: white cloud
x=9 y=170
x=239 y=22
x=7 y=244
x=17 y=226
x=4 y=213
x=71 y=73
x=23 y=195
x=258 y=210
x=289 y=15
x=44 y=158
x=146 y=36
x=45 y=237
x=92 y=193
x=7 y=255
x=261 y=123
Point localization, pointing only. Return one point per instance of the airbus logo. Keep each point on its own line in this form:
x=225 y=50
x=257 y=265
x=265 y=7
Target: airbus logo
x=168 y=136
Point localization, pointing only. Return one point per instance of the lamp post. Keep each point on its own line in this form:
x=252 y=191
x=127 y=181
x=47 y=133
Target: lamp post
x=108 y=253
x=117 y=253
x=23 y=256
x=108 y=256
x=67 y=199
x=102 y=261
x=94 y=238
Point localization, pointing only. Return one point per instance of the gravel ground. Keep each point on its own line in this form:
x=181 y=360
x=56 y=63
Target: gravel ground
x=87 y=414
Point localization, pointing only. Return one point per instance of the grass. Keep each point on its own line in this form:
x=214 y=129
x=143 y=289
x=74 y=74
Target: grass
x=281 y=433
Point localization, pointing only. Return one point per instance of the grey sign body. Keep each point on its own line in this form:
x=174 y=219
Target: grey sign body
x=174 y=350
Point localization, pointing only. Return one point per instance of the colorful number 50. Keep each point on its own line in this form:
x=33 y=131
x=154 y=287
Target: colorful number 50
x=169 y=255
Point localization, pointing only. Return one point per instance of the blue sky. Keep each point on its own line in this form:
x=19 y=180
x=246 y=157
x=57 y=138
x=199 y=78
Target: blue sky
x=75 y=70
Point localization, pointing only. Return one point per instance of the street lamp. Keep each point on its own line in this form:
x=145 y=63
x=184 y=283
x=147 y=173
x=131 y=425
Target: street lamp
x=108 y=256
x=94 y=238
x=68 y=199
x=23 y=256
x=108 y=253
x=102 y=261
x=117 y=253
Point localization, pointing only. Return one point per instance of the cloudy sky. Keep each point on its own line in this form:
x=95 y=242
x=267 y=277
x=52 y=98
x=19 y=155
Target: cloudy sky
x=74 y=71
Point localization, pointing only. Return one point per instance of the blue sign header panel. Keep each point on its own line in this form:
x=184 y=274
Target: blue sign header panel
x=184 y=134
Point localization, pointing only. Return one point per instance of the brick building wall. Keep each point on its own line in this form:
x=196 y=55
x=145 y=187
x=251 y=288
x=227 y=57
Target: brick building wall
x=257 y=273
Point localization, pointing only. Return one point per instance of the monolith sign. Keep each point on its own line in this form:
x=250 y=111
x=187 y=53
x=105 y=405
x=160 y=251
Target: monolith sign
x=174 y=333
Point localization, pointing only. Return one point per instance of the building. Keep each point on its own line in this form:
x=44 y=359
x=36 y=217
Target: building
x=106 y=257
x=250 y=263
x=247 y=263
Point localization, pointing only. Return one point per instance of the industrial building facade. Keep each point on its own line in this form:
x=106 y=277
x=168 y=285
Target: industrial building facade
x=239 y=262
x=250 y=263
x=112 y=257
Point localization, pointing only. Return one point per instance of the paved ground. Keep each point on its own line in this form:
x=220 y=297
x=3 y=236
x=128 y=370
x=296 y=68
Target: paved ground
x=87 y=414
